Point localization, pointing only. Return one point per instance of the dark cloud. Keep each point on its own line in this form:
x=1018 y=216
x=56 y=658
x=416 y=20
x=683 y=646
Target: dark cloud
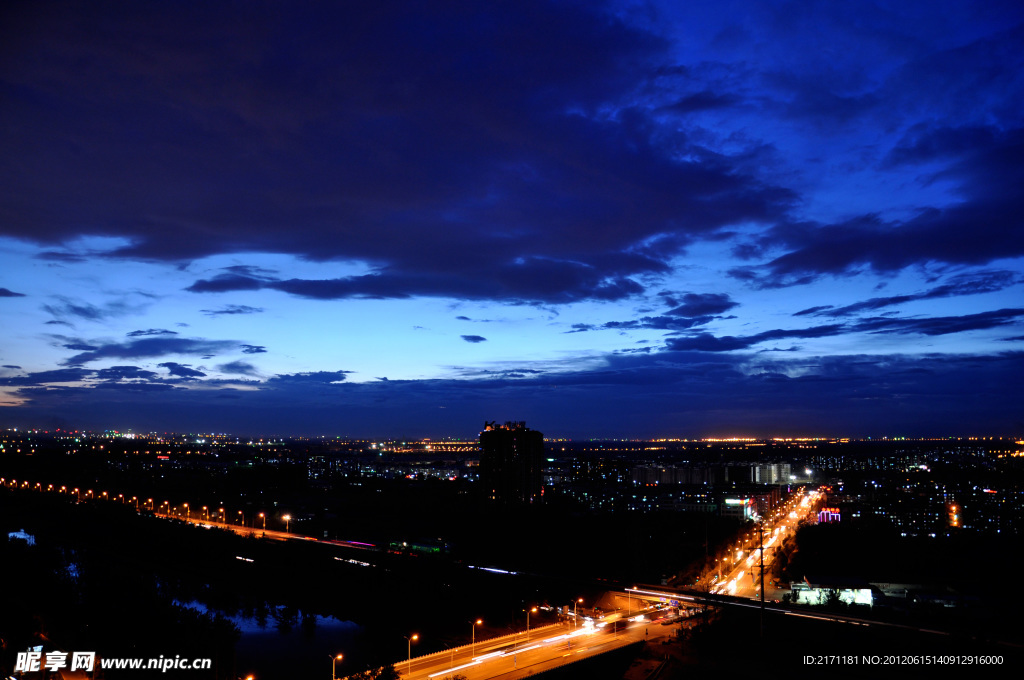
x=527 y=280
x=233 y=309
x=181 y=370
x=124 y=373
x=58 y=256
x=712 y=394
x=463 y=318
x=86 y=310
x=943 y=325
x=661 y=323
x=325 y=377
x=238 y=368
x=152 y=347
x=47 y=377
x=923 y=144
x=706 y=342
x=151 y=331
x=254 y=349
x=702 y=101
x=504 y=177
x=223 y=283
x=984 y=226
x=10 y=366
x=249 y=270
x=705 y=304
x=634 y=350
x=474 y=338
x=4 y=292
x=813 y=310
x=82 y=310
x=80 y=347
x=972 y=283
x=133 y=386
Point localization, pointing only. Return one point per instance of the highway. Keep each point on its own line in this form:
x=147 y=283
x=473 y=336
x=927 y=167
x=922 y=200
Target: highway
x=742 y=577
x=269 y=533
x=514 y=656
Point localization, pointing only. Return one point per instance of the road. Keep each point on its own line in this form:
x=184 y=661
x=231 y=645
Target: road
x=742 y=577
x=269 y=533
x=514 y=656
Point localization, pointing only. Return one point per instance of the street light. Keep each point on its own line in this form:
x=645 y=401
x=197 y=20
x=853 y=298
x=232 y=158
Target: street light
x=335 y=660
x=410 y=640
x=473 y=638
x=575 y=623
x=264 y=518
x=287 y=519
x=534 y=610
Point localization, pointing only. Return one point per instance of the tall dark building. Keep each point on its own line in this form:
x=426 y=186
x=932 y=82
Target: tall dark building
x=511 y=461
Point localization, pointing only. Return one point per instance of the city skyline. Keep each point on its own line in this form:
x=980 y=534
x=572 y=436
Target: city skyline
x=610 y=220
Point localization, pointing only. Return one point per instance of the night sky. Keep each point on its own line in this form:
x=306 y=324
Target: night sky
x=608 y=219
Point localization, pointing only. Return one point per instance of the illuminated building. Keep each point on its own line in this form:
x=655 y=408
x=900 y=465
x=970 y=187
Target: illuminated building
x=511 y=462
x=828 y=515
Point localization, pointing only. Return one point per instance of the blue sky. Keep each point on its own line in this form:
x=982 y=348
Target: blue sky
x=609 y=219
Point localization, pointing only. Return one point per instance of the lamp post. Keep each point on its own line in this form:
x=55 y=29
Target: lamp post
x=575 y=621
x=473 y=637
x=410 y=639
x=335 y=660
x=287 y=520
x=534 y=610
x=243 y=517
x=263 y=516
x=188 y=514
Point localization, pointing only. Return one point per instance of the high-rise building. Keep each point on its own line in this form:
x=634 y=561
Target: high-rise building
x=511 y=462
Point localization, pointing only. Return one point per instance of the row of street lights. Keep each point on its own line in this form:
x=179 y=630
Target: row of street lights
x=135 y=500
x=167 y=509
